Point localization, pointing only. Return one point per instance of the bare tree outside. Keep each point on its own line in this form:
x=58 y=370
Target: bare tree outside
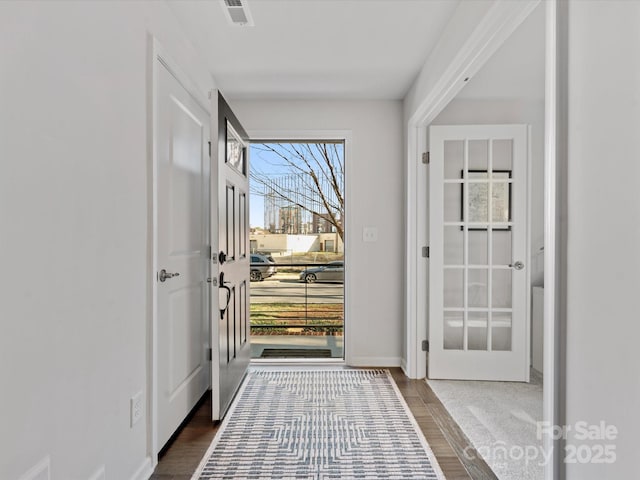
x=297 y=189
x=303 y=183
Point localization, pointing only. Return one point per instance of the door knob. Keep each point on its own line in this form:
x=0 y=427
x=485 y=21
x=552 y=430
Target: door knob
x=222 y=257
x=164 y=275
x=517 y=265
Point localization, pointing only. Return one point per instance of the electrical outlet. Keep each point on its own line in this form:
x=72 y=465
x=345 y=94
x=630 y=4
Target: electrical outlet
x=137 y=408
x=369 y=234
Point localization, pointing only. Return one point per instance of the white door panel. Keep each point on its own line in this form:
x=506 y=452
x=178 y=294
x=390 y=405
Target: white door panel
x=478 y=229
x=182 y=242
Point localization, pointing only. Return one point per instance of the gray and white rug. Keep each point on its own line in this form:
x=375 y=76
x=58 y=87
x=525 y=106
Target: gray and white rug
x=319 y=424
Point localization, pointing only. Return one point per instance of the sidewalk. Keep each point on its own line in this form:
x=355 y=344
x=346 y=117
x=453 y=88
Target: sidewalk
x=260 y=342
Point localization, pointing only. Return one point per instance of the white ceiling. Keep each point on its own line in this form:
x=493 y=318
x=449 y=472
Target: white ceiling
x=317 y=49
x=516 y=70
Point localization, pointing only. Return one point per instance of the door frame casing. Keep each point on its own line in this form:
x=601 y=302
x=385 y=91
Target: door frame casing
x=157 y=55
x=555 y=232
x=319 y=135
x=469 y=60
x=499 y=23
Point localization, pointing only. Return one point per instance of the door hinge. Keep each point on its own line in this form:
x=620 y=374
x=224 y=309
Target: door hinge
x=425 y=345
x=426 y=157
x=209 y=354
x=425 y=252
x=209 y=149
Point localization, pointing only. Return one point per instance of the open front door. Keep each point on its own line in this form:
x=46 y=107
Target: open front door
x=231 y=351
x=478 y=277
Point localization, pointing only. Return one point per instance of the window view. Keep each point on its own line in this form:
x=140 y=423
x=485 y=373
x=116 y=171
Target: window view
x=297 y=249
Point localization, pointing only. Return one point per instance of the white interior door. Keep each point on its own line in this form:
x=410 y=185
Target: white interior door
x=230 y=323
x=183 y=176
x=478 y=229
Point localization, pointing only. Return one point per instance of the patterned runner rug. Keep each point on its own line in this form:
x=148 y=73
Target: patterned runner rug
x=319 y=424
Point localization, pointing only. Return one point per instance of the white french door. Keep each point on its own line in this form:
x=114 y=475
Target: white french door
x=230 y=233
x=478 y=272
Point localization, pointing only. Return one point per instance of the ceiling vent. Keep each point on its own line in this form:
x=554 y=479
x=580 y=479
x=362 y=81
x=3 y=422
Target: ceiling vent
x=237 y=13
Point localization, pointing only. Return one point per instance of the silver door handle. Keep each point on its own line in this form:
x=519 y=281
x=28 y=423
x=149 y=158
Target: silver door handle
x=517 y=265
x=164 y=275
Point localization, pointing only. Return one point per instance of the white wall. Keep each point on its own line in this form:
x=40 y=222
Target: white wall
x=375 y=272
x=603 y=317
x=73 y=223
x=463 y=22
x=476 y=30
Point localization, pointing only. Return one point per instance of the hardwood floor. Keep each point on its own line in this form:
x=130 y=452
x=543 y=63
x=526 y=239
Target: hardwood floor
x=443 y=434
x=182 y=455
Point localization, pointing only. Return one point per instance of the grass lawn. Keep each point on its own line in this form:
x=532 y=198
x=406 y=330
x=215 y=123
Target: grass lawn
x=296 y=317
x=286 y=313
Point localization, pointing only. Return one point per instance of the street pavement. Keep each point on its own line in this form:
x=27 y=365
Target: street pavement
x=287 y=288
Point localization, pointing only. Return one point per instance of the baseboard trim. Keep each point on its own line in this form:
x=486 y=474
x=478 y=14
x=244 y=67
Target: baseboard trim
x=403 y=366
x=536 y=376
x=375 y=361
x=145 y=470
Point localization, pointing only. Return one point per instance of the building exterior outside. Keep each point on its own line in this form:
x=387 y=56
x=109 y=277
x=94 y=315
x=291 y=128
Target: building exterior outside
x=285 y=244
x=291 y=207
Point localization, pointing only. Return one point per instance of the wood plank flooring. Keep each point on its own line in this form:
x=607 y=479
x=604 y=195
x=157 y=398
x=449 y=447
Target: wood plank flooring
x=182 y=455
x=443 y=434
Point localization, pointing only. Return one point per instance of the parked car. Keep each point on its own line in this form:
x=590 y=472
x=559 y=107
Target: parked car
x=332 y=272
x=262 y=266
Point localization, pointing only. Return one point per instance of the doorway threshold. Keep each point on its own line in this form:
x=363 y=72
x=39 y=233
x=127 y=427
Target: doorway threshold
x=297 y=362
